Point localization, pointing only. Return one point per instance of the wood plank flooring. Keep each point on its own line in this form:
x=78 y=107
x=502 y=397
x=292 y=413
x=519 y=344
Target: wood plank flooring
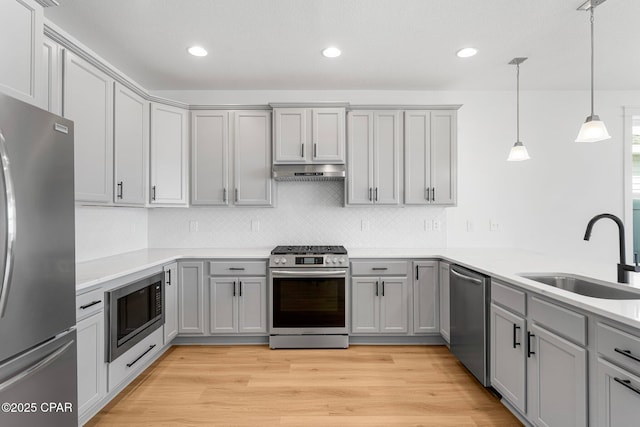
x=254 y=386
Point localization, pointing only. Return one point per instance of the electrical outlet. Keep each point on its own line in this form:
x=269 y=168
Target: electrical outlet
x=364 y=225
x=469 y=226
x=436 y=225
x=193 y=226
x=428 y=225
x=255 y=225
x=494 y=226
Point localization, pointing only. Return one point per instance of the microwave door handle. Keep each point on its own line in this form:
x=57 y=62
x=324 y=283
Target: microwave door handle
x=10 y=206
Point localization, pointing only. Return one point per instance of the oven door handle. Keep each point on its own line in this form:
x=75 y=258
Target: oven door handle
x=309 y=273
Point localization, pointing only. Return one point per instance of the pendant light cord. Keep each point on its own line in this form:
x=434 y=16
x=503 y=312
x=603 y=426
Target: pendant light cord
x=591 y=20
x=517 y=102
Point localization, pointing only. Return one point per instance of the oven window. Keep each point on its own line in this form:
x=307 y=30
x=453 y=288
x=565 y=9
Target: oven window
x=135 y=309
x=308 y=302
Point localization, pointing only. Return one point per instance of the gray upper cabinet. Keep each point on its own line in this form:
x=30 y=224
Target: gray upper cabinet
x=374 y=157
x=131 y=147
x=21 y=51
x=309 y=135
x=430 y=150
x=169 y=139
x=231 y=158
x=52 y=76
x=88 y=101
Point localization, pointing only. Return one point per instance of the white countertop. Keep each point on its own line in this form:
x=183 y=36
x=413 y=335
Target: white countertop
x=501 y=263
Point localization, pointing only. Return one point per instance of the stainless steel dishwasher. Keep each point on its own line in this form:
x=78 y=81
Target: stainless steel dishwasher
x=469 y=341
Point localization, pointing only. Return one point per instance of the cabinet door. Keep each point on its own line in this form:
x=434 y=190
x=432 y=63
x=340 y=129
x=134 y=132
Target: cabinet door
x=426 y=315
x=170 y=301
x=558 y=378
x=360 y=159
x=223 y=305
x=252 y=310
x=365 y=305
x=618 y=396
x=290 y=134
x=21 y=50
x=52 y=76
x=88 y=101
x=131 y=146
x=210 y=158
x=417 y=157
x=444 y=301
x=386 y=158
x=508 y=361
x=168 y=155
x=328 y=135
x=91 y=367
x=443 y=157
x=190 y=298
x=393 y=304
x=252 y=166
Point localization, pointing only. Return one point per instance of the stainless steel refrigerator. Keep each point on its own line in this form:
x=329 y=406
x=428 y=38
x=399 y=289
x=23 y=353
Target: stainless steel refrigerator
x=38 y=379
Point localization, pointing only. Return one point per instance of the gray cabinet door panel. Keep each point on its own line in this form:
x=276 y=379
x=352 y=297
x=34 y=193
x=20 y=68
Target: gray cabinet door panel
x=252 y=172
x=328 y=135
x=210 y=158
x=393 y=305
x=443 y=157
x=191 y=298
x=386 y=143
x=223 y=305
x=417 y=156
x=618 y=396
x=426 y=314
x=360 y=158
x=365 y=307
x=252 y=305
x=290 y=143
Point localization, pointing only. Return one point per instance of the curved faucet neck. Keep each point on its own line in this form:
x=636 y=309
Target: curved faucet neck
x=618 y=221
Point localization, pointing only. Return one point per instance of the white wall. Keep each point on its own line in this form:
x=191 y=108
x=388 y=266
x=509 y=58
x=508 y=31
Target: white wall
x=105 y=231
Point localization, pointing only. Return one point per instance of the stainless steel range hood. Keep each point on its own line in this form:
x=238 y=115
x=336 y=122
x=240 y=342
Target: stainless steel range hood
x=308 y=172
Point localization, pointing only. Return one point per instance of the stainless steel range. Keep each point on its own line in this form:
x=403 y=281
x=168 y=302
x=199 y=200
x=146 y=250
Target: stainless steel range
x=309 y=298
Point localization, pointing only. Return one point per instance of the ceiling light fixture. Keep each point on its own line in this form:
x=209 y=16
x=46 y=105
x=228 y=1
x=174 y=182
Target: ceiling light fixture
x=466 y=52
x=331 y=52
x=593 y=129
x=197 y=51
x=518 y=151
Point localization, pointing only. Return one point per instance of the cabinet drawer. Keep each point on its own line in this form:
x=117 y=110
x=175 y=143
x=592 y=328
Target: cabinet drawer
x=567 y=323
x=238 y=268
x=619 y=347
x=379 y=268
x=508 y=297
x=135 y=359
x=89 y=303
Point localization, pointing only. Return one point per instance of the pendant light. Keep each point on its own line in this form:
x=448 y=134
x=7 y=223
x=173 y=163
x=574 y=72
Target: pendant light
x=518 y=152
x=593 y=129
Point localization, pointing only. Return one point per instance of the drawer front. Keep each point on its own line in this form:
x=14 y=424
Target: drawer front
x=238 y=268
x=89 y=303
x=508 y=297
x=619 y=347
x=566 y=323
x=134 y=360
x=379 y=268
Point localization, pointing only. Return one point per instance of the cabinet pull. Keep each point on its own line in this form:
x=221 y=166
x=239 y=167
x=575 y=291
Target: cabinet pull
x=236 y=268
x=376 y=198
x=153 y=192
x=417 y=273
x=315 y=150
x=627 y=384
x=120 y=189
x=302 y=155
x=379 y=268
x=376 y=288
x=370 y=191
x=224 y=195
x=141 y=356
x=168 y=281
x=515 y=329
x=234 y=288
x=236 y=195
x=241 y=288
x=426 y=194
x=529 y=352
x=383 y=288
x=628 y=354
x=433 y=194
x=91 y=304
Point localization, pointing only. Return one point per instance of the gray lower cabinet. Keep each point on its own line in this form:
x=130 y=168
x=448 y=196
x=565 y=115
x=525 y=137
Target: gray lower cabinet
x=91 y=367
x=237 y=305
x=379 y=305
x=445 y=317
x=426 y=313
x=191 y=297
x=170 y=301
x=618 y=396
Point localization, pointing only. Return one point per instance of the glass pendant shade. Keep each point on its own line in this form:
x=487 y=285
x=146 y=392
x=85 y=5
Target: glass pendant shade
x=518 y=153
x=593 y=130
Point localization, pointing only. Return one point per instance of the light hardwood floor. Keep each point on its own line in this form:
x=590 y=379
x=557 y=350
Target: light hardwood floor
x=254 y=386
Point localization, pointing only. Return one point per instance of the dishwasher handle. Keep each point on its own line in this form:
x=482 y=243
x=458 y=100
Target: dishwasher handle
x=463 y=276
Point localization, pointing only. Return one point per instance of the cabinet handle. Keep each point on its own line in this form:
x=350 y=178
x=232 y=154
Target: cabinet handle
x=383 y=288
x=141 y=356
x=628 y=354
x=168 y=281
x=120 y=189
x=153 y=192
x=426 y=194
x=236 y=195
x=315 y=150
x=376 y=194
x=515 y=329
x=417 y=273
x=241 y=288
x=376 y=288
x=224 y=195
x=370 y=191
x=627 y=384
x=234 y=288
x=379 y=268
x=302 y=155
x=236 y=268
x=91 y=304
x=529 y=352
x=433 y=194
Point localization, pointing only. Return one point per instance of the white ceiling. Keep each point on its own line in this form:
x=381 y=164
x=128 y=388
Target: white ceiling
x=386 y=44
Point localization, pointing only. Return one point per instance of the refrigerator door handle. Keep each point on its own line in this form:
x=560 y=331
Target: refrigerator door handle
x=36 y=366
x=10 y=225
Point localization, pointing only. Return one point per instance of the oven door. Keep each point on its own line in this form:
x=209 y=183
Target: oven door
x=308 y=301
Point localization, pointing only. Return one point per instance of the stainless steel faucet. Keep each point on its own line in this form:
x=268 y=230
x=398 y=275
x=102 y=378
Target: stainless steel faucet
x=623 y=268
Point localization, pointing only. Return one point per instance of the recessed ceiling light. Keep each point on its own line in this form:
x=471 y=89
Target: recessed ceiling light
x=331 y=52
x=466 y=52
x=197 y=51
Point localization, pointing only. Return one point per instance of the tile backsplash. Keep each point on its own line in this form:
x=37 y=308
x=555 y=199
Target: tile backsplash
x=306 y=213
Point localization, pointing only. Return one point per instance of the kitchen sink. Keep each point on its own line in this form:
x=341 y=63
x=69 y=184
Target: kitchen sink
x=582 y=285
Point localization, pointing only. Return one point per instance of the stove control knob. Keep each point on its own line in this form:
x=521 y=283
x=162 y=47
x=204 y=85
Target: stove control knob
x=335 y=260
x=341 y=260
x=283 y=260
x=328 y=260
x=277 y=260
